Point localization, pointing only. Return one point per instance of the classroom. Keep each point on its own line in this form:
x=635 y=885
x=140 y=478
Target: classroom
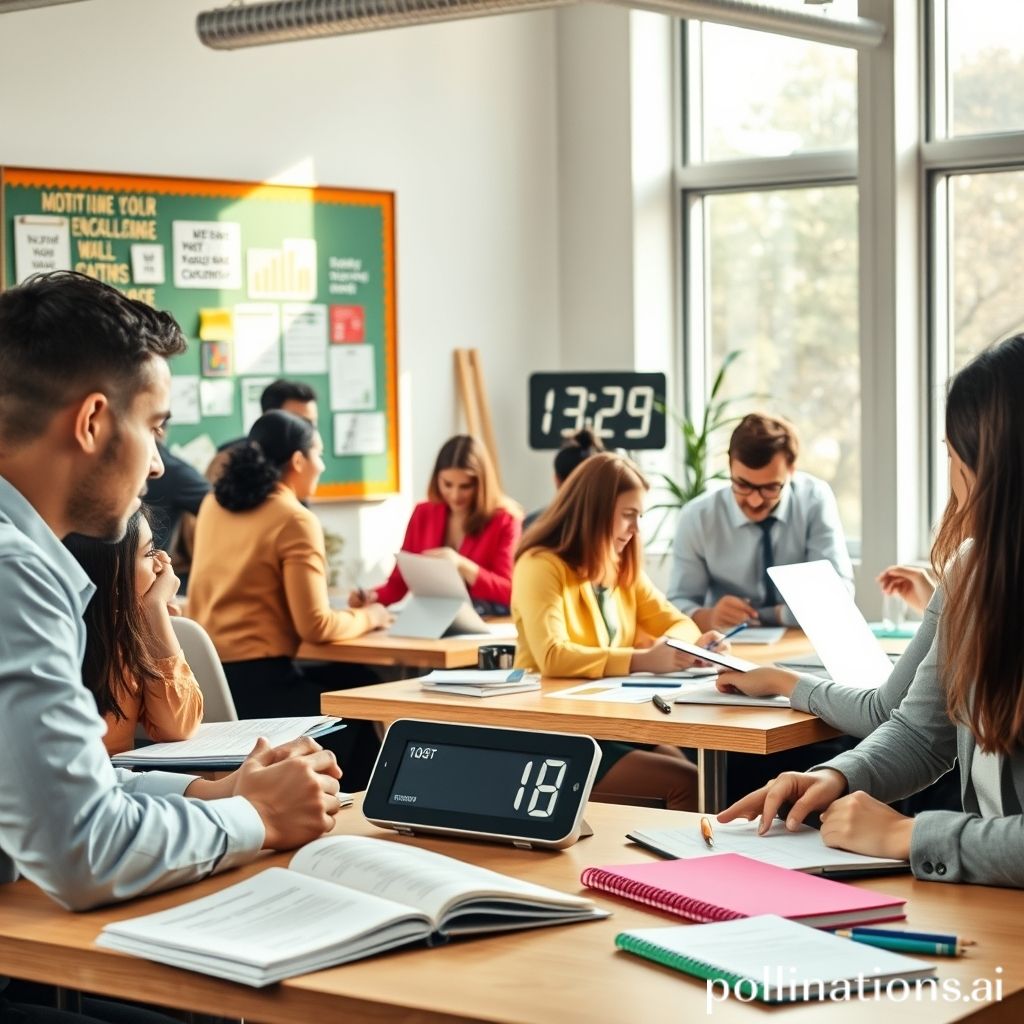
x=804 y=208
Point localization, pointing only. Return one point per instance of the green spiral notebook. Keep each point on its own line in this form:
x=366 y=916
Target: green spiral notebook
x=772 y=959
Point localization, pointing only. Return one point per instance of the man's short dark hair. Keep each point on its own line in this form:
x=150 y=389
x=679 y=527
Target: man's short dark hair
x=759 y=438
x=280 y=391
x=64 y=335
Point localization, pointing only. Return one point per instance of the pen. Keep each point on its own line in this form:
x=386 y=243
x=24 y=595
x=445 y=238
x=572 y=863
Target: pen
x=661 y=704
x=907 y=942
x=362 y=594
x=707 y=832
x=651 y=684
x=732 y=632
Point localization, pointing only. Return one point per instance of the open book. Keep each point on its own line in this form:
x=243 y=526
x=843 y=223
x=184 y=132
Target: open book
x=340 y=899
x=219 y=746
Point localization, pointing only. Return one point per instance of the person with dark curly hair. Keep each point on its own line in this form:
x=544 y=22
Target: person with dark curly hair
x=259 y=572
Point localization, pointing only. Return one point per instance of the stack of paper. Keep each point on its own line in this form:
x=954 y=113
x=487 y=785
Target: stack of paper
x=481 y=682
x=220 y=746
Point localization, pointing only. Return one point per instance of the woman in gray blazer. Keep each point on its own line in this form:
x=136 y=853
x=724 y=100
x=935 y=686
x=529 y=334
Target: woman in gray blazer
x=966 y=700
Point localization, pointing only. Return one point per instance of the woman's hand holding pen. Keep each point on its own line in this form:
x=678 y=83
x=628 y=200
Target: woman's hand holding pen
x=861 y=824
x=803 y=791
x=360 y=598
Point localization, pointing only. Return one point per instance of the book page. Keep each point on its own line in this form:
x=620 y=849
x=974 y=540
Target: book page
x=276 y=915
x=800 y=850
x=220 y=739
x=428 y=881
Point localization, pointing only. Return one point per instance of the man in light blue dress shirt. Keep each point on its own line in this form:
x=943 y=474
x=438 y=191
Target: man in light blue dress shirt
x=84 y=396
x=769 y=515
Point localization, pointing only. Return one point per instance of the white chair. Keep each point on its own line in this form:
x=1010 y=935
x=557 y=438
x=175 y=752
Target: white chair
x=201 y=655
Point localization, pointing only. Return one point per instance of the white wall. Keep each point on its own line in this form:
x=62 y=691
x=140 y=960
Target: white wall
x=458 y=119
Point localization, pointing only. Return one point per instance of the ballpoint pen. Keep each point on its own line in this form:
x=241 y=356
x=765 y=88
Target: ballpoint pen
x=732 y=632
x=907 y=942
x=707 y=833
x=661 y=704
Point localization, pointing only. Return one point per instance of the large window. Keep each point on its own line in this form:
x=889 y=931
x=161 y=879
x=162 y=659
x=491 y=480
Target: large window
x=770 y=201
x=974 y=161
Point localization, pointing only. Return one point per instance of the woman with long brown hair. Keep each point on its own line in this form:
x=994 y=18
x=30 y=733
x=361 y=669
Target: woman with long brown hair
x=584 y=608
x=133 y=662
x=465 y=519
x=966 y=703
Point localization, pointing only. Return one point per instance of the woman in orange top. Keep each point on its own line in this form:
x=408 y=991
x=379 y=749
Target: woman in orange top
x=465 y=519
x=133 y=662
x=259 y=583
x=584 y=608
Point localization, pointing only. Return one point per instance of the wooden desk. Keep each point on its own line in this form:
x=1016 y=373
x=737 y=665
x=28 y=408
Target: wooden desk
x=564 y=974
x=712 y=730
x=378 y=648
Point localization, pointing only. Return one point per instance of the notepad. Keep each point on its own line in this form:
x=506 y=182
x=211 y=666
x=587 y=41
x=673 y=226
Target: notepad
x=732 y=886
x=802 y=850
x=772 y=959
x=480 y=682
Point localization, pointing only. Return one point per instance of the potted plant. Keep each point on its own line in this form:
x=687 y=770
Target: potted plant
x=697 y=438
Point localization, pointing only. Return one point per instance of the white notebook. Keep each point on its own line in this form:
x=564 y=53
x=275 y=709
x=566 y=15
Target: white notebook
x=802 y=850
x=772 y=959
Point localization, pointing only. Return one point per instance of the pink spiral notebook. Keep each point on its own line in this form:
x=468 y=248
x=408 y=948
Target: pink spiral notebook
x=731 y=886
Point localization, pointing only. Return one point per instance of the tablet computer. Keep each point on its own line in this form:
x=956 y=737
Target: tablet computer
x=719 y=658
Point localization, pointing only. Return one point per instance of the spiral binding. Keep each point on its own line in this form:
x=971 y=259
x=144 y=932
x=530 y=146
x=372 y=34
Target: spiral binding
x=654 y=896
x=742 y=985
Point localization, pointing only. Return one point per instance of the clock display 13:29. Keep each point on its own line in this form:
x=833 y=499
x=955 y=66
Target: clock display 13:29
x=624 y=410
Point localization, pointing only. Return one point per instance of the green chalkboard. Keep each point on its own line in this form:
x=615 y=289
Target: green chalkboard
x=266 y=281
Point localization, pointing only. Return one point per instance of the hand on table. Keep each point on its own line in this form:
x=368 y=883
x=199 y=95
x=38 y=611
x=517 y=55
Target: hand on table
x=861 y=824
x=760 y=682
x=803 y=791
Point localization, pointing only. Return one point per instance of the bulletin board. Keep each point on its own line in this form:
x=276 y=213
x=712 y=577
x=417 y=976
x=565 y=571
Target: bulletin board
x=266 y=281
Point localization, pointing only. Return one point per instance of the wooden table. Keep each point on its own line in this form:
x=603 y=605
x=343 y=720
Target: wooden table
x=378 y=648
x=712 y=730
x=566 y=974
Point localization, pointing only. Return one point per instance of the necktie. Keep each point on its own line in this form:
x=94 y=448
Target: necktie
x=771 y=595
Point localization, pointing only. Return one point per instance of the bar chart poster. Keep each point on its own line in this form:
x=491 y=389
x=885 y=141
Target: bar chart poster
x=267 y=281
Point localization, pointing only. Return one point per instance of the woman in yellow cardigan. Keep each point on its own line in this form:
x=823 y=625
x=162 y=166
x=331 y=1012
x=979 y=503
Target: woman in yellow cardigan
x=584 y=608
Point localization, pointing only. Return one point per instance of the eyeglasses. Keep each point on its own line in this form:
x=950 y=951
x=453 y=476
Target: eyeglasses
x=744 y=487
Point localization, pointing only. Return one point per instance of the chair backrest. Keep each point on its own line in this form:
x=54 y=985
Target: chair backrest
x=202 y=658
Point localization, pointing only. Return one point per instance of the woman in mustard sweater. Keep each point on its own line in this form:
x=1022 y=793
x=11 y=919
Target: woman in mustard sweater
x=259 y=571
x=133 y=662
x=584 y=608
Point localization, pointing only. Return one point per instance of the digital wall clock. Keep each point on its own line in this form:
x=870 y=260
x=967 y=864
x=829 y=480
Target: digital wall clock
x=508 y=785
x=624 y=410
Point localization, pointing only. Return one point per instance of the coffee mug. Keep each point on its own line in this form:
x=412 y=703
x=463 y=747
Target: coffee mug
x=492 y=656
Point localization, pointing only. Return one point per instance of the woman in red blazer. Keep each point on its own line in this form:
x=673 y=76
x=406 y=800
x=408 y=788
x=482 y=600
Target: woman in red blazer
x=465 y=519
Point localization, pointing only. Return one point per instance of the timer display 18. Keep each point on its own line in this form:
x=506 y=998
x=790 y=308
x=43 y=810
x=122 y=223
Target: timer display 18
x=478 y=781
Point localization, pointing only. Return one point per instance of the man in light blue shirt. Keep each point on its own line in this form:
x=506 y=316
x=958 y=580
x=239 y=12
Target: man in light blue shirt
x=84 y=396
x=770 y=515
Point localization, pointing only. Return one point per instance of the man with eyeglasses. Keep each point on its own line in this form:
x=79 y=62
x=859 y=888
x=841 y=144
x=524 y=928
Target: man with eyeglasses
x=771 y=515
